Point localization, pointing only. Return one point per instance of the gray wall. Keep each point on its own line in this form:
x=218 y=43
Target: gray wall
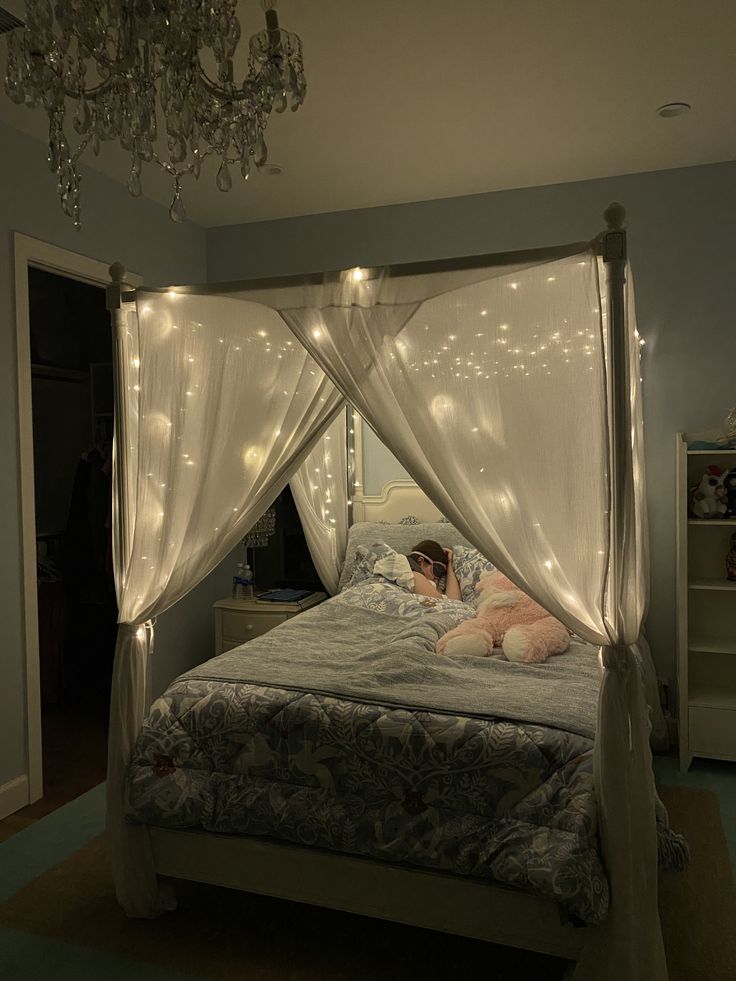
x=145 y=240
x=682 y=226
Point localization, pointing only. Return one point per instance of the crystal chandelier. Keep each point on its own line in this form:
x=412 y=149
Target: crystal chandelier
x=262 y=530
x=131 y=71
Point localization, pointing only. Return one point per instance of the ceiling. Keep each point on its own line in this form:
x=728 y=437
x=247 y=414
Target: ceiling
x=416 y=99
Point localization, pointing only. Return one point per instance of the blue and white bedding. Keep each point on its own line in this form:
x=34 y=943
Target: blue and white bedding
x=342 y=729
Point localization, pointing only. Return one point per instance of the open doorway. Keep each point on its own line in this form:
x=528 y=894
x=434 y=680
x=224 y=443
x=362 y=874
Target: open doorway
x=57 y=371
x=72 y=399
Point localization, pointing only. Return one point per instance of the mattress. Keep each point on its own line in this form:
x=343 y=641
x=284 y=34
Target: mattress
x=342 y=729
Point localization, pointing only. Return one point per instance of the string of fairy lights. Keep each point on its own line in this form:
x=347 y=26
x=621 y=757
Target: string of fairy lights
x=264 y=364
x=449 y=342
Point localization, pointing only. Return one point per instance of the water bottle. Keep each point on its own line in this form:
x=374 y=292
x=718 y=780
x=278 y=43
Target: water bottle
x=243 y=582
x=247 y=582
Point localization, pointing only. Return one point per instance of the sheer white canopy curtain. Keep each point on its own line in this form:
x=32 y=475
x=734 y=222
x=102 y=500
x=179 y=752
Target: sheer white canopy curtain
x=505 y=397
x=510 y=399
x=217 y=405
x=321 y=496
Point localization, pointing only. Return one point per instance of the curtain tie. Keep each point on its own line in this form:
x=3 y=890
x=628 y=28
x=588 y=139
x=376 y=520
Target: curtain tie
x=617 y=658
x=141 y=631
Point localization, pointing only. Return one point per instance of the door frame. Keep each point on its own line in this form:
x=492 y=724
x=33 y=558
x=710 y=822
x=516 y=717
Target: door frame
x=51 y=258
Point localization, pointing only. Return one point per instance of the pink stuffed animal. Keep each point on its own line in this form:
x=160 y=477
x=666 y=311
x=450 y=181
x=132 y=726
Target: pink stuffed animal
x=507 y=618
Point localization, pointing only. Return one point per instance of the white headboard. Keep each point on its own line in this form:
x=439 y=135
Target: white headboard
x=397 y=499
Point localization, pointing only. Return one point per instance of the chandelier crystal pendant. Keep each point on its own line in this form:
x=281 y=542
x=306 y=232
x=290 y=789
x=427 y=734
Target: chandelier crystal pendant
x=131 y=71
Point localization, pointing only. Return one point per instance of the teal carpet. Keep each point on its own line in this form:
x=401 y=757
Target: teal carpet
x=30 y=853
x=714 y=775
x=53 y=839
x=40 y=846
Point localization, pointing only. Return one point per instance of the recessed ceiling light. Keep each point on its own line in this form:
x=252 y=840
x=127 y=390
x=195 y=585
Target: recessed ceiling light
x=271 y=169
x=674 y=109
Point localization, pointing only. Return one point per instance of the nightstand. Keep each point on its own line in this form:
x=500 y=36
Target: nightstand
x=238 y=621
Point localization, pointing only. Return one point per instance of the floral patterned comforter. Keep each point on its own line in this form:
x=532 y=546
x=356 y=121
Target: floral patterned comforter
x=354 y=765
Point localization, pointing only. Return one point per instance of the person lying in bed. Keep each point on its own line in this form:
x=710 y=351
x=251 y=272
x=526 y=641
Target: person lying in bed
x=429 y=563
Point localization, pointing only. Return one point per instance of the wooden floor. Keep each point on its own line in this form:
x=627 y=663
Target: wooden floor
x=74 y=761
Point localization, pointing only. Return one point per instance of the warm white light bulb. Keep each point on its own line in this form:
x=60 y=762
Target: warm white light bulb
x=358 y=274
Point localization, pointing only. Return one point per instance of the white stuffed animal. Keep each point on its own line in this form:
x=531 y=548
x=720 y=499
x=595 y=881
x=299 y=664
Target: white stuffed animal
x=709 y=498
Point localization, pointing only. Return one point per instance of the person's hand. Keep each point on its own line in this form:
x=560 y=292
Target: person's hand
x=448 y=556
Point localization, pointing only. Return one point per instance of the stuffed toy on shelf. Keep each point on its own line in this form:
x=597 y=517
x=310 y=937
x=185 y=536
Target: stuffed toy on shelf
x=709 y=498
x=729 y=482
x=509 y=619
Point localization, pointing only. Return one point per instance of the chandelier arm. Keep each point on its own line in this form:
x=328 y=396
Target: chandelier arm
x=237 y=94
x=171 y=169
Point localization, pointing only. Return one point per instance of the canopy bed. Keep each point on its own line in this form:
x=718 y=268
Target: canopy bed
x=508 y=387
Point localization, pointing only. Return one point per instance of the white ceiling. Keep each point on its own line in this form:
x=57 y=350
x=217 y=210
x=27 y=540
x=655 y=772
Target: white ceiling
x=416 y=99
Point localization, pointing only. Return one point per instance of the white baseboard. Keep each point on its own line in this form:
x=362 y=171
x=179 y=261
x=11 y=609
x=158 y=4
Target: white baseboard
x=13 y=796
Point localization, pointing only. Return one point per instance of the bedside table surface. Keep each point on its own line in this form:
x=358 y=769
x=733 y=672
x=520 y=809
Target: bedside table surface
x=264 y=606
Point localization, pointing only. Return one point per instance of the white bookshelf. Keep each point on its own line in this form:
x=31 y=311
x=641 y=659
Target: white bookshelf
x=706 y=618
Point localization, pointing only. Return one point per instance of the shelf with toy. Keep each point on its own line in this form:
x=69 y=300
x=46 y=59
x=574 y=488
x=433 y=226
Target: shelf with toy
x=706 y=597
x=712 y=487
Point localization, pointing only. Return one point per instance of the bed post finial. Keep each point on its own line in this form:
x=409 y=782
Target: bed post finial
x=615 y=216
x=118 y=272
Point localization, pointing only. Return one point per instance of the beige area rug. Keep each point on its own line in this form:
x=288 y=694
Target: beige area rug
x=225 y=935
x=698 y=906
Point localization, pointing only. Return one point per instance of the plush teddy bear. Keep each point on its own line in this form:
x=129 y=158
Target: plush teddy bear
x=729 y=482
x=506 y=618
x=708 y=499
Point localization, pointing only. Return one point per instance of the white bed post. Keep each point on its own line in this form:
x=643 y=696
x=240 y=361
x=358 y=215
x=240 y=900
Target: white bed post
x=613 y=252
x=114 y=297
x=137 y=887
x=628 y=946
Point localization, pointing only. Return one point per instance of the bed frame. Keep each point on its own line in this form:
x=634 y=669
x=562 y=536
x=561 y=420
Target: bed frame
x=434 y=900
x=438 y=901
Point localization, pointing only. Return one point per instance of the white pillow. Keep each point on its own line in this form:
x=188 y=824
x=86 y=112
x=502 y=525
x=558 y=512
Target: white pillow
x=383 y=561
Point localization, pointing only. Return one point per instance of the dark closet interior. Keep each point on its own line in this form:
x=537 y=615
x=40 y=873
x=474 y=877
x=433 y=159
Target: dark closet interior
x=71 y=369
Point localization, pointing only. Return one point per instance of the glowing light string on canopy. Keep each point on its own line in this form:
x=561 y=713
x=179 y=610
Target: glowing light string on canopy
x=509 y=390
